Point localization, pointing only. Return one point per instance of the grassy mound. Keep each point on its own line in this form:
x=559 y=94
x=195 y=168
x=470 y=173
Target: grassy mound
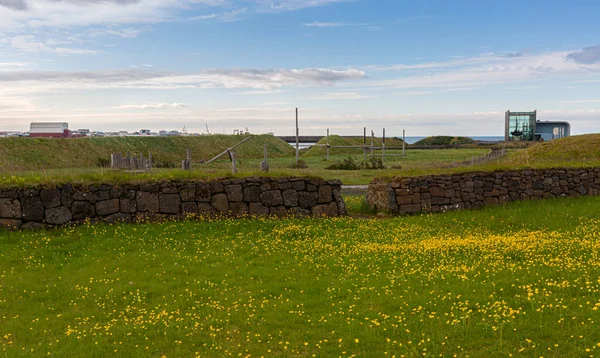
x=35 y=153
x=336 y=140
x=580 y=150
x=445 y=140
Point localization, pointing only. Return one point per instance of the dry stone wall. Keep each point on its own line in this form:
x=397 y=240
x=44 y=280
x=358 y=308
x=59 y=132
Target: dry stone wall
x=50 y=206
x=473 y=190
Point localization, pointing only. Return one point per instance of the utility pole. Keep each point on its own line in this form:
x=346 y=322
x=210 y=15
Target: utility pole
x=327 y=158
x=365 y=145
x=383 y=147
x=297 y=138
x=403 y=142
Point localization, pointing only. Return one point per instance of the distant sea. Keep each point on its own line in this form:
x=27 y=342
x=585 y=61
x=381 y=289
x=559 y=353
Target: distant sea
x=412 y=140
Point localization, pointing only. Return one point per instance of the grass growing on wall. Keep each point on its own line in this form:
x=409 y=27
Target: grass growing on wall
x=514 y=280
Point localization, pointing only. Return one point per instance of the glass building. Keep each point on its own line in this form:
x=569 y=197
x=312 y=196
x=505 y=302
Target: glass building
x=520 y=126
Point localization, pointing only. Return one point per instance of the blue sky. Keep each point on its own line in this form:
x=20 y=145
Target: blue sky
x=430 y=67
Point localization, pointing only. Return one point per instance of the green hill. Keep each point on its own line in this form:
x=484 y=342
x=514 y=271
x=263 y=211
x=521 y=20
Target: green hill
x=17 y=154
x=445 y=140
x=336 y=140
x=570 y=151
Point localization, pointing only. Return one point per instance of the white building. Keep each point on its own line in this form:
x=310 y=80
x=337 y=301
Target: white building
x=49 y=129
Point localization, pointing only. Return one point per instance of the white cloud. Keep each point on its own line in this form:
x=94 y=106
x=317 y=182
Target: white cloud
x=151 y=106
x=482 y=71
x=325 y=24
x=291 y=5
x=129 y=33
x=27 y=43
x=22 y=14
x=340 y=96
x=583 y=101
x=22 y=82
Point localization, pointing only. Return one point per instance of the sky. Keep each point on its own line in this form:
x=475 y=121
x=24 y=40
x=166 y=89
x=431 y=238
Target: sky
x=431 y=67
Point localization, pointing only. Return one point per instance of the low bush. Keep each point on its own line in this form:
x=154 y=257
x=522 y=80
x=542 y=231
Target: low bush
x=102 y=162
x=351 y=164
x=300 y=165
x=346 y=164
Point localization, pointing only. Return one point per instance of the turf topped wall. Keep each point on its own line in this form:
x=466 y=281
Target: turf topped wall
x=438 y=193
x=70 y=204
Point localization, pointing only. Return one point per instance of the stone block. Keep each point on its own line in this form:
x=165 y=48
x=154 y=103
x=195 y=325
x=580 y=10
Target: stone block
x=66 y=195
x=203 y=192
x=298 y=185
x=410 y=209
x=436 y=191
x=290 y=198
x=170 y=203
x=85 y=196
x=169 y=189
x=235 y=193
x=82 y=210
x=189 y=207
x=220 y=203
x=58 y=216
x=325 y=194
x=147 y=202
x=33 y=208
x=298 y=212
x=8 y=194
x=107 y=207
x=491 y=201
x=238 y=209
x=217 y=187
x=102 y=195
x=188 y=193
x=128 y=206
x=279 y=211
x=205 y=209
x=50 y=197
x=10 y=209
x=252 y=194
x=150 y=188
x=257 y=209
x=271 y=198
x=435 y=200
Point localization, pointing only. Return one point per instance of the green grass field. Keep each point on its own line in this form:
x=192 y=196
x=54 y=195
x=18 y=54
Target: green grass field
x=520 y=280
x=415 y=162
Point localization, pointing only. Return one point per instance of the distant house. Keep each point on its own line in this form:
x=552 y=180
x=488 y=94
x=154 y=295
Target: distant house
x=49 y=130
x=524 y=126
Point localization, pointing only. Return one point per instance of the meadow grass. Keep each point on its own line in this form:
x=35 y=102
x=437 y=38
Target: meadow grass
x=519 y=280
x=416 y=161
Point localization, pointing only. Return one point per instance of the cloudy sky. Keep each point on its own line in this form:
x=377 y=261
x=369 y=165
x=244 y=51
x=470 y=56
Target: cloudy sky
x=430 y=66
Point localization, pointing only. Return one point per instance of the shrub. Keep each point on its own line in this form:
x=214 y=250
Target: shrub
x=346 y=164
x=373 y=163
x=300 y=165
x=102 y=162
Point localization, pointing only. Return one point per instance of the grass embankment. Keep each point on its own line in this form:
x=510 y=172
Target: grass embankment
x=582 y=150
x=336 y=140
x=445 y=140
x=20 y=154
x=516 y=280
